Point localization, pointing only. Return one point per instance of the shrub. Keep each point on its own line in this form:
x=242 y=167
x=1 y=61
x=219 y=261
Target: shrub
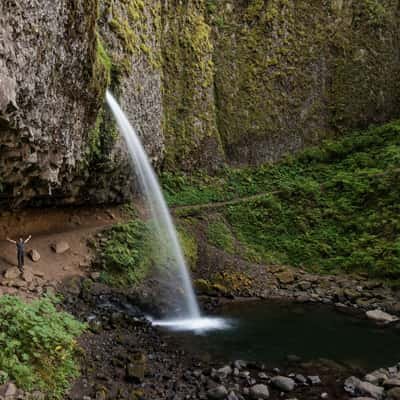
x=37 y=345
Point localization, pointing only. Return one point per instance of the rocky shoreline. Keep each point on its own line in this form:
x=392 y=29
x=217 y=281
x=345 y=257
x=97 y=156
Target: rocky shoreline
x=244 y=280
x=126 y=358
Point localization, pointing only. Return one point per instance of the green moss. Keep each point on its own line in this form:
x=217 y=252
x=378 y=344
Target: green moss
x=101 y=69
x=126 y=256
x=188 y=72
x=130 y=23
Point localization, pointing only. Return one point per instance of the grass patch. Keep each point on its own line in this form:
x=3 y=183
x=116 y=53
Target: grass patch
x=37 y=345
x=331 y=208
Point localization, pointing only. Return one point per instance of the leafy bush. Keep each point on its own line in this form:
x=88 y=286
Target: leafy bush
x=37 y=345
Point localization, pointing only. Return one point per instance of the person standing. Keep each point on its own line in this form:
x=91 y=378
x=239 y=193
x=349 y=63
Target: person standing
x=20 y=243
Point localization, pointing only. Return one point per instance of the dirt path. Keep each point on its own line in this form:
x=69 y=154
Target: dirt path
x=218 y=204
x=73 y=225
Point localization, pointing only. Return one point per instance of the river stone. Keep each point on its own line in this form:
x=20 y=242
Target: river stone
x=34 y=255
x=283 y=383
x=223 y=372
x=12 y=273
x=393 y=394
x=355 y=386
x=314 y=379
x=370 y=390
x=381 y=316
x=217 y=393
x=259 y=391
x=377 y=376
x=60 y=247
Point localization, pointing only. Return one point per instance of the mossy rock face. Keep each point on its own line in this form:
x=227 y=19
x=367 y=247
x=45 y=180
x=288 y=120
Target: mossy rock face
x=190 y=128
x=288 y=73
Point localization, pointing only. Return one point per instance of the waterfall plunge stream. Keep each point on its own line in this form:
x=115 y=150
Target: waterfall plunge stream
x=189 y=317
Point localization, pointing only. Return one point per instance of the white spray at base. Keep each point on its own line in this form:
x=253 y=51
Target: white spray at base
x=190 y=318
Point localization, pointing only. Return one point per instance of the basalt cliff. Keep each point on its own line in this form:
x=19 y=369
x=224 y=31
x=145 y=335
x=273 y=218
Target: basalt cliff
x=205 y=82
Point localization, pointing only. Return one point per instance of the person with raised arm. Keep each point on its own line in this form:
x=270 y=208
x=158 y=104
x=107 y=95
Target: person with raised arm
x=20 y=243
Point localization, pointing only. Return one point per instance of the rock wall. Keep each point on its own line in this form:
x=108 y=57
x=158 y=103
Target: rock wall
x=290 y=72
x=46 y=98
x=204 y=82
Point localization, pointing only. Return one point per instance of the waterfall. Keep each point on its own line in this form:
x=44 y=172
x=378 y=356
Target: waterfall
x=165 y=229
x=167 y=240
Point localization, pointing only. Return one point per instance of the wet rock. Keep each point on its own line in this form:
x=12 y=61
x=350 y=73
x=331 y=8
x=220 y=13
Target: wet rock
x=60 y=247
x=314 y=379
x=240 y=364
x=223 y=372
x=283 y=383
x=324 y=395
x=381 y=316
x=12 y=273
x=232 y=396
x=393 y=394
x=217 y=393
x=259 y=391
x=354 y=386
x=301 y=379
x=377 y=376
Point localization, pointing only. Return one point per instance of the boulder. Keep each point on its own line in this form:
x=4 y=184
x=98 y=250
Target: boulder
x=60 y=247
x=259 y=391
x=34 y=255
x=392 y=382
x=27 y=276
x=355 y=386
x=283 y=383
x=371 y=390
x=381 y=316
x=217 y=393
x=285 y=277
x=12 y=273
x=8 y=391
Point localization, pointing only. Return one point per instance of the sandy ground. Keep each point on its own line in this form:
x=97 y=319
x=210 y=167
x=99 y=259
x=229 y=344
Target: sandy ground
x=74 y=225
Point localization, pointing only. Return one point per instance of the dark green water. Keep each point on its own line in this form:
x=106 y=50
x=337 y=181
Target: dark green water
x=268 y=332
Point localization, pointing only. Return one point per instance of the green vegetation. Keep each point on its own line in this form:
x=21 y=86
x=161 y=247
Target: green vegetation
x=219 y=234
x=189 y=246
x=126 y=256
x=331 y=208
x=37 y=345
